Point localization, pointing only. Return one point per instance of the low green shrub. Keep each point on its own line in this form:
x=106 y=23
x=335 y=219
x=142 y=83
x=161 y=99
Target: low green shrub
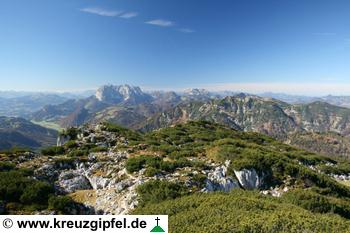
x=71 y=144
x=99 y=149
x=53 y=150
x=241 y=211
x=62 y=204
x=17 y=187
x=6 y=166
x=78 y=153
x=135 y=164
x=156 y=191
x=151 y=171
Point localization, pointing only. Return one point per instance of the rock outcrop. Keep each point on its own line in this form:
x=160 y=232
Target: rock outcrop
x=218 y=180
x=71 y=181
x=122 y=93
x=46 y=172
x=249 y=178
x=61 y=140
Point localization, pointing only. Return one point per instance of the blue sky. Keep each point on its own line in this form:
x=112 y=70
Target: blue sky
x=294 y=46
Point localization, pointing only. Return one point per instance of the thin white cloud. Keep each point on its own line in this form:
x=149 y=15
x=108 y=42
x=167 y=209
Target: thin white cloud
x=186 y=30
x=128 y=15
x=161 y=23
x=101 y=11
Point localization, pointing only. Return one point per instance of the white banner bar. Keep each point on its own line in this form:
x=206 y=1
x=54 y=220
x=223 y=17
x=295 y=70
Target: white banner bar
x=83 y=223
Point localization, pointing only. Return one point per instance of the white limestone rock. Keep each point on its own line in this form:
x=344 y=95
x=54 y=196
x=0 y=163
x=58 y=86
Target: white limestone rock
x=98 y=182
x=219 y=181
x=71 y=181
x=62 y=139
x=249 y=178
x=46 y=172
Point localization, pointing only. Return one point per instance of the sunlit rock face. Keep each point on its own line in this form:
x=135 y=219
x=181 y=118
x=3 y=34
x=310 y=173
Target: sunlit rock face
x=121 y=93
x=62 y=139
x=218 y=180
x=71 y=181
x=249 y=178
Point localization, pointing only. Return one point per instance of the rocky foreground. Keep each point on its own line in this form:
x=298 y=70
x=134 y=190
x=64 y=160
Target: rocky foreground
x=104 y=168
x=102 y=182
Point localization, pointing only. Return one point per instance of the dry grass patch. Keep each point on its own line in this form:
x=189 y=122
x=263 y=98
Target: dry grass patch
x=87 y=197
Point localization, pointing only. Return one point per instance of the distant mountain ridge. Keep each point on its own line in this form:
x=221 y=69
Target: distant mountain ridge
x=116 y=100
x=242 y=112
x=265 y=115
x=129 y=106
x=18 y=132
x=23 y=106
x=160 y=109
x=316 y=126
x=341 y=101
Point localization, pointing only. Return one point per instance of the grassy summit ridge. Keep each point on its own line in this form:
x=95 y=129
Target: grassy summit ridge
x=175 y=163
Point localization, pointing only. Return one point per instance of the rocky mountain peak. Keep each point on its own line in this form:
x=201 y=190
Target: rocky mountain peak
x=115 y=94
x=242 y=97
x=196 y=92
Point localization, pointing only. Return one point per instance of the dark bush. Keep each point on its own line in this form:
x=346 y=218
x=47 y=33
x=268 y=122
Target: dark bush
x=16 y=187
x=156 y=191
x=150 y=172
x=37 y=193
x=78 y=153
x=61 y=204
x=99 y=149
x=135 y=164
x=53 y=150
x=72 y=133
x=70 y=144
x=6 y=166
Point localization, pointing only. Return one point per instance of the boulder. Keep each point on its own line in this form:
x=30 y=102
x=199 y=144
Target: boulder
x=219 y=181
x=249 y=178
x=46 y=172
x=71 y=181
x=98 y=182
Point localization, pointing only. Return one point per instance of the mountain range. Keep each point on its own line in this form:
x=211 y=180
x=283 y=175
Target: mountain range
x=341 y=101
x=21 y=133
x=129 y=106
x=23 y=104
x=114 y=103
x=253 y=113
x=316 y=120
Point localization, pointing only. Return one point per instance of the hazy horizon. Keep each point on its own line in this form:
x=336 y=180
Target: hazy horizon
x=251 y=88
